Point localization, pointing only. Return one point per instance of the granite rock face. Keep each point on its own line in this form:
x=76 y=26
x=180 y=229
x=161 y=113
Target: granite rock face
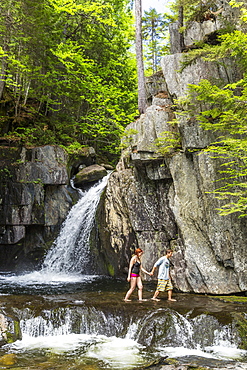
x=205 y=25
x=157 y=201
x=35 y=197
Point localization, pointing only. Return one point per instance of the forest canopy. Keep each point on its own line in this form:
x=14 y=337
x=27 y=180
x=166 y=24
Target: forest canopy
x=67 y=73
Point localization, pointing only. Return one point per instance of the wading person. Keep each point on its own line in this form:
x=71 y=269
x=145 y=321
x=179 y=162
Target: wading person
x=134 y=277
x=164 y=278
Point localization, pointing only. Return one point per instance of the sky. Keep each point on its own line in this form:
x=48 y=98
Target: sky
x=159 y=5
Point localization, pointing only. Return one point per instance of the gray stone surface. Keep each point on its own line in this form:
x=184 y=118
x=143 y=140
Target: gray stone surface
x=34 y=200
x=156 y=202
x=177 y=83
x=89 y=174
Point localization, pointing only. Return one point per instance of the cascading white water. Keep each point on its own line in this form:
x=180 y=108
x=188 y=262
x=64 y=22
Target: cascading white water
x=70 y=252
x=107 y=337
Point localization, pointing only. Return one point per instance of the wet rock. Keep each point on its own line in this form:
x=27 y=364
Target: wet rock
x=82 y=158
x=9 y=329
x=107 y=166
x=89 y=174
x=8 y=359
x=34 y=201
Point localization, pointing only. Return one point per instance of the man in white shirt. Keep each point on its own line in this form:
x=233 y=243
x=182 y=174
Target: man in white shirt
x=164 y=279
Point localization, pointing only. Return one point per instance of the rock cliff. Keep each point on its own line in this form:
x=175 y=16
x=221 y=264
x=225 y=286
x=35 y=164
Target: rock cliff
x=35 y=197
x=157 y=201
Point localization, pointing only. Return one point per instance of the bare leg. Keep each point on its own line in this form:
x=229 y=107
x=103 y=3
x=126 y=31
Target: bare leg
x=133 y=282
x=140 y=288
x=170 y=296
x=156 y=295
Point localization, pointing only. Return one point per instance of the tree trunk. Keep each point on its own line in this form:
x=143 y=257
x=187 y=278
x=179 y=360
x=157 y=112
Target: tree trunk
x=181 y=23
x=139 y=58
x=3 y=75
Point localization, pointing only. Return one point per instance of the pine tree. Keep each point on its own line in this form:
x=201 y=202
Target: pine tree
x=153 y=26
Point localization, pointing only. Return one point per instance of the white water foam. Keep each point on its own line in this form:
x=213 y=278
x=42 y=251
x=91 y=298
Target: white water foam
x=41 y=277
x=223 y=352
x=120 y=353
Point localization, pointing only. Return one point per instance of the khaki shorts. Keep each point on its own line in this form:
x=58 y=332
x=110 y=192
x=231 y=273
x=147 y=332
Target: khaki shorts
x=164 y=285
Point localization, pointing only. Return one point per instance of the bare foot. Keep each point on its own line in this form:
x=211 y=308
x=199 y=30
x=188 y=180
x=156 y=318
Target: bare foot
x=142 y=300
x=127 y=300
x=155 y=299
x=173 y=300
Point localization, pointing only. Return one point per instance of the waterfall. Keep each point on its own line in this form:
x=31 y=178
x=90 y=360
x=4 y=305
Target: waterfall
x=165 y=331
x=70 y=252
x=116 y=339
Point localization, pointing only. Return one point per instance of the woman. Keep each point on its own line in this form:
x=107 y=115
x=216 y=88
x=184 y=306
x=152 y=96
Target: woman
x=134 y=275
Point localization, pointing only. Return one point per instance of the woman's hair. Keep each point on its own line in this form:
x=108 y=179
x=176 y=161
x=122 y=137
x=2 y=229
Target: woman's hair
x=138 y=250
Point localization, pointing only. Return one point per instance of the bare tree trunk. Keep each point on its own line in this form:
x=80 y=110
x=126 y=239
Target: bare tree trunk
x=139 y=58
x=3 y=75
x=181 y=23
x=5 y=43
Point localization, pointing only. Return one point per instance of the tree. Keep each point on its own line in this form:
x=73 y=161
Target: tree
x=153 y=26
x=69 y=71
x=139 y=58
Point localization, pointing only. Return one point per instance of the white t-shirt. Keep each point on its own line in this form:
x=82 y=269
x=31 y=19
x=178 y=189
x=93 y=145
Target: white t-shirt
x=164 y=264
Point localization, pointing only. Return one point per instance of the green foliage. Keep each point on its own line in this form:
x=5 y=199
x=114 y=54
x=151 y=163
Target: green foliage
x=5 y=174
x=167 y=142
x=154 y=29
x=223 y=109
x=242 y=328
x=74 y=148
x=193 y=10
x=127 y=138
x=67 y=71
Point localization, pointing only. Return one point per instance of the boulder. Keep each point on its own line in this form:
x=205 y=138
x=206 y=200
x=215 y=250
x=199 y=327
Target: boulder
x=82 y=158
x=89 y=175
x=9 y=329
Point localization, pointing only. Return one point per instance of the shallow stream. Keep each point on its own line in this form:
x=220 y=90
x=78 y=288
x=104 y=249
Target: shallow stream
x=81 y=322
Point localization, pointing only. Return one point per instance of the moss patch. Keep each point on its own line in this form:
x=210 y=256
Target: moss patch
x=110 y=270
x=232 y=299
x=242 y=328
